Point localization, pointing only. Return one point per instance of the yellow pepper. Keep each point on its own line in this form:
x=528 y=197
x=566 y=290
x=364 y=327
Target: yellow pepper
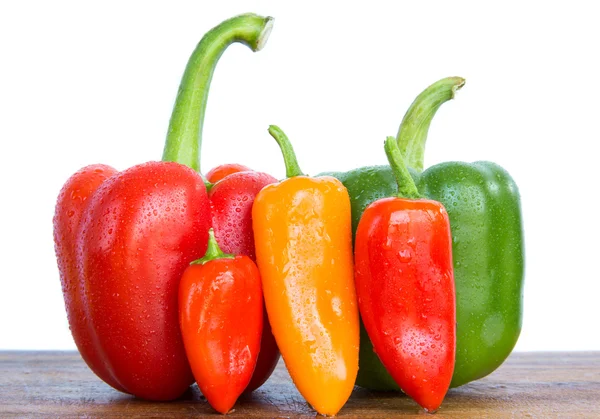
x=303 y=239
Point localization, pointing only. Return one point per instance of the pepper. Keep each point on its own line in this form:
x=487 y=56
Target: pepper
x=304 y=253
x=217 y=173
x=221 y=319
x=123 y=239
x=405 y=287
x=483 y=205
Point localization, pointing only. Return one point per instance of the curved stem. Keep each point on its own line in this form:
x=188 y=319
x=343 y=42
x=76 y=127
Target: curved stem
x=184 y=138
x=213 y=251
x=406 y=184
x=412 y=134
x=289 y=157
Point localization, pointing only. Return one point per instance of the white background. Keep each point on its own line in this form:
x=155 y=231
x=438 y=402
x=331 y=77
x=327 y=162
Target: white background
x=95 y=83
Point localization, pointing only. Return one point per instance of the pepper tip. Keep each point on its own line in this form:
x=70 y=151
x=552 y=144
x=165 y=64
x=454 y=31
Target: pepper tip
x=460 y=82
x=264 y=34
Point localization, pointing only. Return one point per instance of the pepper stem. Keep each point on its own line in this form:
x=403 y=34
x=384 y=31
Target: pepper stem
x=184 y=138
x=213 y=251
x=289 y=157
x=406 y=184
x=412 y=134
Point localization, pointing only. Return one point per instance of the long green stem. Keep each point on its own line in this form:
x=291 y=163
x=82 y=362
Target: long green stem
x=184 y=139
x=406 y=184
x=213 y=251
x=289 y=157
x=412 y=134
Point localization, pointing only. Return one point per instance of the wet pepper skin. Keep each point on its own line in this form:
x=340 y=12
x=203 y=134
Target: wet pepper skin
x=231 y=201
x=405 y=289
x=304 y=253
x=483 y=205
x=73 y=200
x=221 y=319
x=120 y=267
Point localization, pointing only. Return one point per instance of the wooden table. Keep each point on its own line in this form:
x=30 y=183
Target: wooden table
x=58 y=384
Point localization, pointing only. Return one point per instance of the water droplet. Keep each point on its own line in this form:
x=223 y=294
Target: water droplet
x=405 y=255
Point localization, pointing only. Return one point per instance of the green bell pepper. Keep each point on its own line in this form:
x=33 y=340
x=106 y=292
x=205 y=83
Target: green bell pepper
x=483 y=204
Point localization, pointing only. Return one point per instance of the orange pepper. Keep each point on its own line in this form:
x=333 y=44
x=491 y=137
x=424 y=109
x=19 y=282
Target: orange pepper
x=303 y=239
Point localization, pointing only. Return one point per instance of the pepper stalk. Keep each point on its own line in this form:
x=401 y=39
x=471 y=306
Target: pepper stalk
x=292 y=168
x=406 y=184
x=213 y=251
x=412 y=134
x=184 y=138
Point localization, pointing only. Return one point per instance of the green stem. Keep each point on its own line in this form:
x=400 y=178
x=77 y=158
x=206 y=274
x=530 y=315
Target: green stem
x=184 y=139
x=289 y=157
x=213 y=251
x=412 y=134
x=406 y=184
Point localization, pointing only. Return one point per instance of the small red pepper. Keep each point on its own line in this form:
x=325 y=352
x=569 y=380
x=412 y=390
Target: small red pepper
x=221 y=320
x=405 y=287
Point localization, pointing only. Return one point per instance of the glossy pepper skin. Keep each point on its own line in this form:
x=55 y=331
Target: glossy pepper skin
x=120 y=268
x=231 y=201
x=483 y=205
x=73 y=201
x=221 y=320
x=123 y=239
x=232 y=187
x=304 y=253
x=405 y=287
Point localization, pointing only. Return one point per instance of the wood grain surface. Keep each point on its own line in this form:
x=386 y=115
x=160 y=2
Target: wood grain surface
x=59 y=384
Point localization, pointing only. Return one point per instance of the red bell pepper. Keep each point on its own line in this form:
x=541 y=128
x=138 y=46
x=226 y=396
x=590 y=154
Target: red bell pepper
x=405 y=287
x=123 y=239
x=221 y=320
x=121 y=262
